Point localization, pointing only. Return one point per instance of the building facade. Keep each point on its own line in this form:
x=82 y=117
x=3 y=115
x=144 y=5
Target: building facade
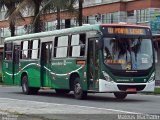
x=144 y=12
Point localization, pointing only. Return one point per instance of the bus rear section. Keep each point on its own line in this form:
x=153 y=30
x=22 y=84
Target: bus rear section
x=127 y=60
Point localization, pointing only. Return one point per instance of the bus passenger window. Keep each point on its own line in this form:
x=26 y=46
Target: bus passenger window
x=82 y=44
x=61 y=47
x=8 y=51
x=55 y=46
x=24 y=56
x=24 y=50
x=8 y=56
x=77 y=48
x=35 y=49
x=82 y=50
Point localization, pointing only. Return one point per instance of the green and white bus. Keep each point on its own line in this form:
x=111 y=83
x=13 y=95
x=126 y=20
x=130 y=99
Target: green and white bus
x=111 y=58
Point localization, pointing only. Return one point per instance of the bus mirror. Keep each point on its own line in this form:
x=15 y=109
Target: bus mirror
x=155 y=45
x=156 y=56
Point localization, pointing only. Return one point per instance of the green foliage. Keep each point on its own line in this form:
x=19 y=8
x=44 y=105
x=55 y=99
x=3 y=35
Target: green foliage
x=15 y=9
x=57 y=6
x=41 y=7
x=157 y=90
x=11 y=6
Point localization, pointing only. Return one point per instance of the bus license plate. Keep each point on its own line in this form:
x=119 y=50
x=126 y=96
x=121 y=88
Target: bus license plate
x=131 y=90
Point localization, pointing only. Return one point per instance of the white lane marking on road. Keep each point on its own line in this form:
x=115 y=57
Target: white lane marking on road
x=121 y=111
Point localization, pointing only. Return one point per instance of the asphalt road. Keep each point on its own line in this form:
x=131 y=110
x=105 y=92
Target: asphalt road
x=137 y=103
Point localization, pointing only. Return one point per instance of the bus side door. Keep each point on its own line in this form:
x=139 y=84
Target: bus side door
x=46 y=53
x=8 y=64
x=93 y=63
x=16 y=53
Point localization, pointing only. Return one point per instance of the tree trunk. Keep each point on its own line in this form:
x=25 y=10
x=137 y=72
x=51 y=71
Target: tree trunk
x=80 y=12
x=12 y=29
x=11 y=23
x=37 y=25
x=58 y=18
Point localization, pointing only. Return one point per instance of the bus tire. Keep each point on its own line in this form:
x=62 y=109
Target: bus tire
x=26 y=89
x=78 y=91
x=62 y=91
x=120 y=95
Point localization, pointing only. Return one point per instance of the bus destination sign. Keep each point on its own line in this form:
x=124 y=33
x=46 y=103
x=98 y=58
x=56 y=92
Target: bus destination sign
x=126 y=30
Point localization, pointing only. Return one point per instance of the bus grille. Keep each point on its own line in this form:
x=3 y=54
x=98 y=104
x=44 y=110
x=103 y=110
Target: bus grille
x=125 y=87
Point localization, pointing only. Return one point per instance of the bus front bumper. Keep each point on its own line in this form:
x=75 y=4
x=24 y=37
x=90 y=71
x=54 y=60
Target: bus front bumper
x=105 y=86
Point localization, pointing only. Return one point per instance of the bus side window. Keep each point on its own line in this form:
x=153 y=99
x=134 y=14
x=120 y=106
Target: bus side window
x=82 y=44
x=8 y=51
x=35 y=49
x=55 y=46
x=77 y=47
x=74 y=48
x=24 y=50
x=8 y=56
x=61 y=47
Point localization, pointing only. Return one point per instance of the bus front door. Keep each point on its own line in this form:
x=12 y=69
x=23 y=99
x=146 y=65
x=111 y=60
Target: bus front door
x=93 y=64
x=46 y=53
x=16 y=68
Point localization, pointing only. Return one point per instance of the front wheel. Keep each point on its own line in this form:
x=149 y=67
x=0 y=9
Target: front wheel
x=78 y=91
x=120 y=95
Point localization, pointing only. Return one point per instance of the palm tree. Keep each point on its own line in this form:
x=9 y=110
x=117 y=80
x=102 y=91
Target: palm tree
x=11 y=6
x=58 y=6
x=33 y=5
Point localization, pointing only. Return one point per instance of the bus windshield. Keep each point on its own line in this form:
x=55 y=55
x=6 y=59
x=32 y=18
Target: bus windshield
x=128 y=53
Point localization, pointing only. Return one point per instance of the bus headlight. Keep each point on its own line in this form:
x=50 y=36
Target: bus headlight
x=107 y=77
x=152 y=78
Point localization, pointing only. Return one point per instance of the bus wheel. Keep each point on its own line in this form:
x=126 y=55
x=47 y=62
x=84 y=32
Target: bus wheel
x=62 y=91
x=26 y=89
x=78 y=92
x=120 y=95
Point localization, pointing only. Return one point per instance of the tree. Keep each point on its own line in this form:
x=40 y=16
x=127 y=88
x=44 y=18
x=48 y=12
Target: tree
x=57 y=6
x=41 y=6
x=11 y=6
x=33 y=5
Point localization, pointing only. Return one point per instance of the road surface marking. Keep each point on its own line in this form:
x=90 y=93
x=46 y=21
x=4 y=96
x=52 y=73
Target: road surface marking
x=121 y=111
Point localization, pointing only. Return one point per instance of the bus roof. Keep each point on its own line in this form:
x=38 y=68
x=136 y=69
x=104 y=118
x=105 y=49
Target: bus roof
x=54 y=33
x=66 y=31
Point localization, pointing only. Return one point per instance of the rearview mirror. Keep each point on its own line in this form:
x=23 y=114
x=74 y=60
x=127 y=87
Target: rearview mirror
x=155 y=45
